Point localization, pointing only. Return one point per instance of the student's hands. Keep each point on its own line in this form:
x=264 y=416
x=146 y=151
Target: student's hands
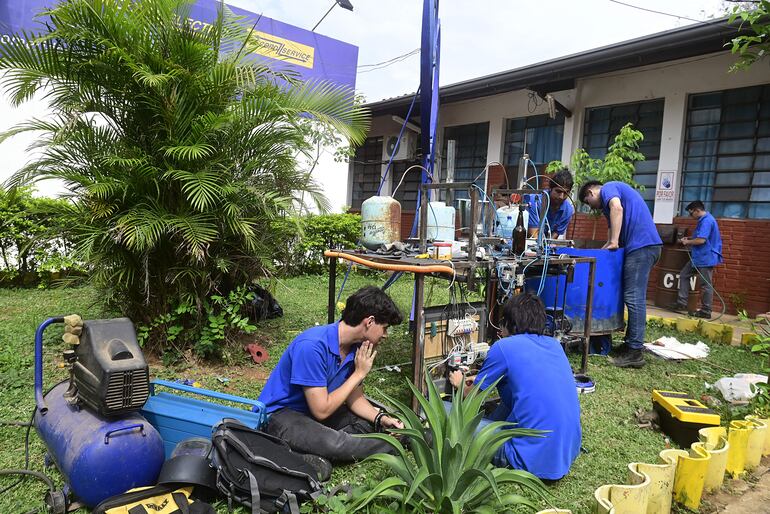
x=388 y=422
x=456 y=378
x=365 y=359
x=611 y=245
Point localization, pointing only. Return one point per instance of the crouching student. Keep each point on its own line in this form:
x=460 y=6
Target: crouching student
x=314 y=396
x=537 y=390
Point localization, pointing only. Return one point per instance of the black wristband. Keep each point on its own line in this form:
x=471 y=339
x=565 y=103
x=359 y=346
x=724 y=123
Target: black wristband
x=378 y=421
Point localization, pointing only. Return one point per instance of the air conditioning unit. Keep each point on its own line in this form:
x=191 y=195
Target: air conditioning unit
x=407 y=148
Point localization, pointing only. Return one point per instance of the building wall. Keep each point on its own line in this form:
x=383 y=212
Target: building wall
x=746 y=273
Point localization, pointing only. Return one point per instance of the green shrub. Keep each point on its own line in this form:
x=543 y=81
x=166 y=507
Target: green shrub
x=300 y=242
x=33 y=250
x=204 y=329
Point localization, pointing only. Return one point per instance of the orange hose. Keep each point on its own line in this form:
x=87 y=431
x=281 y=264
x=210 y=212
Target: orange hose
x=391 y=267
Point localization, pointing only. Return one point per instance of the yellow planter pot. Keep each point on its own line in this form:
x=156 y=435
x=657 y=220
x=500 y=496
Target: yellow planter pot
x=687 y=325
x=714 y=440
x=690 y=477
x=738 y=439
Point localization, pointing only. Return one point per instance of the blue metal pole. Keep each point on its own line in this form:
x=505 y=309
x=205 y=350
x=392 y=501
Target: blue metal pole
x=39 y=401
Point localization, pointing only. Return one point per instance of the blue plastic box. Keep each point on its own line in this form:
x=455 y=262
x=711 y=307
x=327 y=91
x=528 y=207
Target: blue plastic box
x=179 y=417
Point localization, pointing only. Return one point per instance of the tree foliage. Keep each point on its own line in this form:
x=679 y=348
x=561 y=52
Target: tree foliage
x=617 y=164
x=178 y=147
x=755 y=45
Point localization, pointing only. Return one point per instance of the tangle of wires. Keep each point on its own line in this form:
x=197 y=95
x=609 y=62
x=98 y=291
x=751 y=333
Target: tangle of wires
x=459 y=307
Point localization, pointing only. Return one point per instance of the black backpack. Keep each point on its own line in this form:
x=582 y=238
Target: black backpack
x=259 y=471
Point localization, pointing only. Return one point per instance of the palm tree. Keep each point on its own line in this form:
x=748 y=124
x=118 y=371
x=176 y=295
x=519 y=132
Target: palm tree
x=176 y=145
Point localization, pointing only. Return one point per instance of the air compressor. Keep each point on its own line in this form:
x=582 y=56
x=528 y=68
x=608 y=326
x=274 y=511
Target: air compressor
x=89 y=423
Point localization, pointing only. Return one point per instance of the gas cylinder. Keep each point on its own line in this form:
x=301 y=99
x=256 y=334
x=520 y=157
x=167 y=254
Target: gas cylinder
x=99 y=457
x=441 y=222
x=380 y=221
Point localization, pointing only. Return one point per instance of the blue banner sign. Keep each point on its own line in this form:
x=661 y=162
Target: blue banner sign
x=307 y=54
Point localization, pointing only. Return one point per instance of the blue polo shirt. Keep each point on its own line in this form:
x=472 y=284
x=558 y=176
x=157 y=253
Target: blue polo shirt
x=311 y=360
x=537 y=384
x=558 y=220
x=709 y=254
x=638 y=229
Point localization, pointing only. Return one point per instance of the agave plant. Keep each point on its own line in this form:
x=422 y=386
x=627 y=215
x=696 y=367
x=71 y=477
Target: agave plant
x=177 y=147
x=451 y=470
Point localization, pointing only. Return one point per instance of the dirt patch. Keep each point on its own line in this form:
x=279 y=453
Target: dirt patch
x=741 y=496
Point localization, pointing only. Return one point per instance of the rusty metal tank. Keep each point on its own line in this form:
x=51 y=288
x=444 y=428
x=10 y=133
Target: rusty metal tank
x=380 y=221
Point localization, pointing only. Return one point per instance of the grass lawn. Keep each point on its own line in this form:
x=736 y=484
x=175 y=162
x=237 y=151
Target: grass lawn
x=610 y=435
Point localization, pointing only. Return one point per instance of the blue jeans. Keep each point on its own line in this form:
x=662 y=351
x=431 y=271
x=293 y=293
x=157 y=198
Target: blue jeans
x=636 y=274
x=501 y=413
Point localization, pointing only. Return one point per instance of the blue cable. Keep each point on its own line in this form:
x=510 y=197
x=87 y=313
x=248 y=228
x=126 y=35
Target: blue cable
x=342 y=287
x=401 y=133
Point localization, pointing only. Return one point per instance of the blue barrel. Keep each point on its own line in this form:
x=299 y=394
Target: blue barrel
x=99 y=457
x=607 y=314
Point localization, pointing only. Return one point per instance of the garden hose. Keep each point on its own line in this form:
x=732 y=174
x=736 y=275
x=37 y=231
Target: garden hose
x=436 y=268
x=724 y=306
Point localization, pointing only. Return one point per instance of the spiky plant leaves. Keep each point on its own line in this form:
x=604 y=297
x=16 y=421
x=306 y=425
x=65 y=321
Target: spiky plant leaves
x=177 y=147
x=450 y=467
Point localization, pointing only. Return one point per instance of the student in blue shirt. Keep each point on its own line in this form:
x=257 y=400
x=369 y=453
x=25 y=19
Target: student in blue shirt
x=560 y=210
x=314 y=396
x=632 y=228
x=705 y=253
x=537 y=390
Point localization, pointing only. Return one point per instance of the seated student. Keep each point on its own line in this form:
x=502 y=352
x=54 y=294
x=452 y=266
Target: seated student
x=560 y=210
x=537 y=390
x=314 y=396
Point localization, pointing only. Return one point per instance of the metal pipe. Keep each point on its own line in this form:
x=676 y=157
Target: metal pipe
x=418 y=346
x=589 y=313
x=39 y=400
x=332 y=289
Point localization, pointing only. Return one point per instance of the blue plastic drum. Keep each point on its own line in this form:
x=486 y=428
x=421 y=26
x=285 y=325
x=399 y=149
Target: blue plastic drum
x=607 y=314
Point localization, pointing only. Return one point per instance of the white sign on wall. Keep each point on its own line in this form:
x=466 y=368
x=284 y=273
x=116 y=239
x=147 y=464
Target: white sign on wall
x=665 y=190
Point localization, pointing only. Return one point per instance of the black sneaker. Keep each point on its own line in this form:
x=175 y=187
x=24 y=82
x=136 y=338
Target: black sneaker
x=617 y=351
x=321 y=466
x=677 y=307
x=629 y=359
x=700 y=313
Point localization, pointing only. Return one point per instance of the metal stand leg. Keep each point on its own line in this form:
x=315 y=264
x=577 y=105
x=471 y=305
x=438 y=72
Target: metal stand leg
x=332 y=290
x=418 y=345
x=589 y=314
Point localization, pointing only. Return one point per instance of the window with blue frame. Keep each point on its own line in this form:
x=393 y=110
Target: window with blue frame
x=539 y=136
x=470 y=153
x=602 y=124
x=727 y=152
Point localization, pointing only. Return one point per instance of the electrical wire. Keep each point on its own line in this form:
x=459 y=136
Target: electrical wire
x=400 y=133
x=391 y=62
x=410 y=168
x=711 y=285
x=657 y=12
x=26 y=456
x=344 y=280
x=409 y=53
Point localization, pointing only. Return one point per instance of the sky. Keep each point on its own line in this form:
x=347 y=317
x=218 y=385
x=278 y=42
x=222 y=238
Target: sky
x=478 y=37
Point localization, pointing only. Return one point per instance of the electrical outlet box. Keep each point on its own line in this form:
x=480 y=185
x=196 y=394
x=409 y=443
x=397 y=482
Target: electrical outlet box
x=462 y=326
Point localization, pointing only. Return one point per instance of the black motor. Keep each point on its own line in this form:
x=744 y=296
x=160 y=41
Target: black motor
x=109 y=374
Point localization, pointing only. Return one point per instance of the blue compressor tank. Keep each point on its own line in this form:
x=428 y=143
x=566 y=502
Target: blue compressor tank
x=607 y=314
x=99 y=457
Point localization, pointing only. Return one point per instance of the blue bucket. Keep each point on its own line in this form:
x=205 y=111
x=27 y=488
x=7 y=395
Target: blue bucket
x=607 y=314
